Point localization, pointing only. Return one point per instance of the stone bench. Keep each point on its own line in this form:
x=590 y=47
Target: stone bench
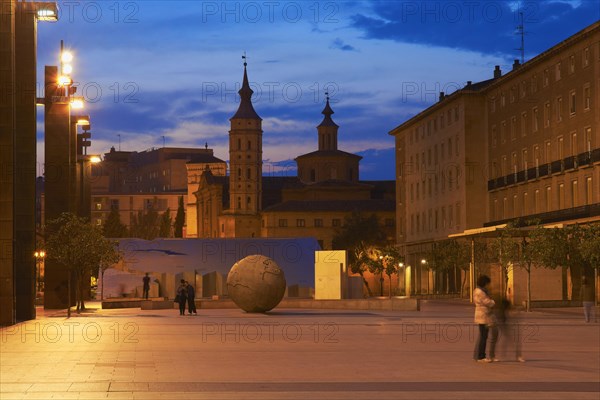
x=157 y=304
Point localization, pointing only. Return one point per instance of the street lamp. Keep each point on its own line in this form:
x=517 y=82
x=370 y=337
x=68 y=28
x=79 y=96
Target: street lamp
x=39 y=261
x=381 y=275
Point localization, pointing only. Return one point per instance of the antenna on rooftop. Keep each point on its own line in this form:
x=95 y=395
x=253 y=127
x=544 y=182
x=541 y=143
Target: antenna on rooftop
x=521 y=32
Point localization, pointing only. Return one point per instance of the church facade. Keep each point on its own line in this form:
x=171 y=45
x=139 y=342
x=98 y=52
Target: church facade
x=245 y=204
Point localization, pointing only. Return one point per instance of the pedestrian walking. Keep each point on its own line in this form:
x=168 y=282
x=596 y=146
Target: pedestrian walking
x=191 y=297
x=587 y=296
x=181 y=297
x=483 y=316
x=146 y=281
x=504 y=328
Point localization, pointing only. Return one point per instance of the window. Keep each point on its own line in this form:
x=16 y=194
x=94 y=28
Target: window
x=503 y=132
x=249 y=145
x=560 y=145
x=502 y=99
x=548 y=198
x=114 y=204
x=318 y=222
x=450 y=217
x=534 y=84
x=412 y=224
x=239 y=202
x=588 y=138
x=536 y=201
x=523 y=89
x=513 y=128
x=574 y=148
x=561 y=196
x=239 y=144
x=548 y=155
x=586 y=57
x=450 y=180
x=494 y=139
x=515 y=206
x=300 y=223
x=524 y=158
x=589 y=191
x=559 y=108
x=546 y=79
x=455 y=114
x=574 y=194
x=449 y=147
x=336 y=222
x=535 y=120
x=417 y=190
x=525 y=204
x=558 y=71
x=547 y=114
x=412 y=192
x=98 y=221
x=571 y=64
x=283 y=223
x=418 y=223
x=524 y=124
x=98 y=206
x=587 y=100
x=248 y=173
x=248 y=201
x=572 y=98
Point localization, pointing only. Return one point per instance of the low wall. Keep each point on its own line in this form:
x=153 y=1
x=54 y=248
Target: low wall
x=382 y=304
x=554 y=303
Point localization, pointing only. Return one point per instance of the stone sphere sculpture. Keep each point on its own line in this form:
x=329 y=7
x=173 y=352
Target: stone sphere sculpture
x=256 y=284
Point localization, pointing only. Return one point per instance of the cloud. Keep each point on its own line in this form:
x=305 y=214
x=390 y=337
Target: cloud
x=486 y=27
x=340 y=45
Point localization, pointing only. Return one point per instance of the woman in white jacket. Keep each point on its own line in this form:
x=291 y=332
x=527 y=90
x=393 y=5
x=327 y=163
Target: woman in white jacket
x=483 y=316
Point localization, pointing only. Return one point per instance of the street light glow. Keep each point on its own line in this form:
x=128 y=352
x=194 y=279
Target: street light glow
x=423 y=261
x=95 y=159
x=77 y=103
x=67 y=69
x=66 y=57
x=64 y=80
x=47 y=15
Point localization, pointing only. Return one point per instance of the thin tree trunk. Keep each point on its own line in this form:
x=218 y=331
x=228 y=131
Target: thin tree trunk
x=529 y=287
x=369 y=294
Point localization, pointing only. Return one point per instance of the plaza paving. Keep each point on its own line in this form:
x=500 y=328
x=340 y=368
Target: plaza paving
x=294 y=354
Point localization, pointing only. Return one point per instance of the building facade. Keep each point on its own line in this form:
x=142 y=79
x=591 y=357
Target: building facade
x=523 y=145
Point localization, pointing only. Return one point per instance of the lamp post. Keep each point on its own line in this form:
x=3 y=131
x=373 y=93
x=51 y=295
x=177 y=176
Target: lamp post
x=61 y=165
x=424 y=265
x=381 y=275
x=39 y=261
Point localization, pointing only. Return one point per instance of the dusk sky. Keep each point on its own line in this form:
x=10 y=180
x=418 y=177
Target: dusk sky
x=154 y=69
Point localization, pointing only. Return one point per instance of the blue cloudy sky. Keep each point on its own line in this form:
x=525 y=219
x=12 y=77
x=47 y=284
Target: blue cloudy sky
x=155 y=71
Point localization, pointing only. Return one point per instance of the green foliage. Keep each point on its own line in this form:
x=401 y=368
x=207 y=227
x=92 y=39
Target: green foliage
x=113 y=228
x=144 y=225
x=358 y=234
x=590 y=245
x=179 y=219
x=81 y=248
x=449 y=254
x=165 y=224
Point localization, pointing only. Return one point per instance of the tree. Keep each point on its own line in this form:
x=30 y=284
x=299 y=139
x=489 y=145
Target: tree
x=164 y=230
x=532 y=248
x=144 y=225
x=81 y=248
x=358 y=236
x=562 y=247
x=179 y=219
x=451 y=254
x=505 y=251
x=390 y=259
x=113 y=228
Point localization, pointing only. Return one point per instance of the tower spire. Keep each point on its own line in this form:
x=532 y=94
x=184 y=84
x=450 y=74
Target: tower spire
x=245 y=110
x=327 y=112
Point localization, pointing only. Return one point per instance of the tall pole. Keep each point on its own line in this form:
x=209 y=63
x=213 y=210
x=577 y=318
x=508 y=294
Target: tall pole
x=472 y=270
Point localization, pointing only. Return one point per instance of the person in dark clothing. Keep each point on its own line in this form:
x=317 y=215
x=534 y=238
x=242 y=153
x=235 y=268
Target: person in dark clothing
x=191 y=297
x=146 y=280
x=483 y=316
x=588 y=298
x=181 y=297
